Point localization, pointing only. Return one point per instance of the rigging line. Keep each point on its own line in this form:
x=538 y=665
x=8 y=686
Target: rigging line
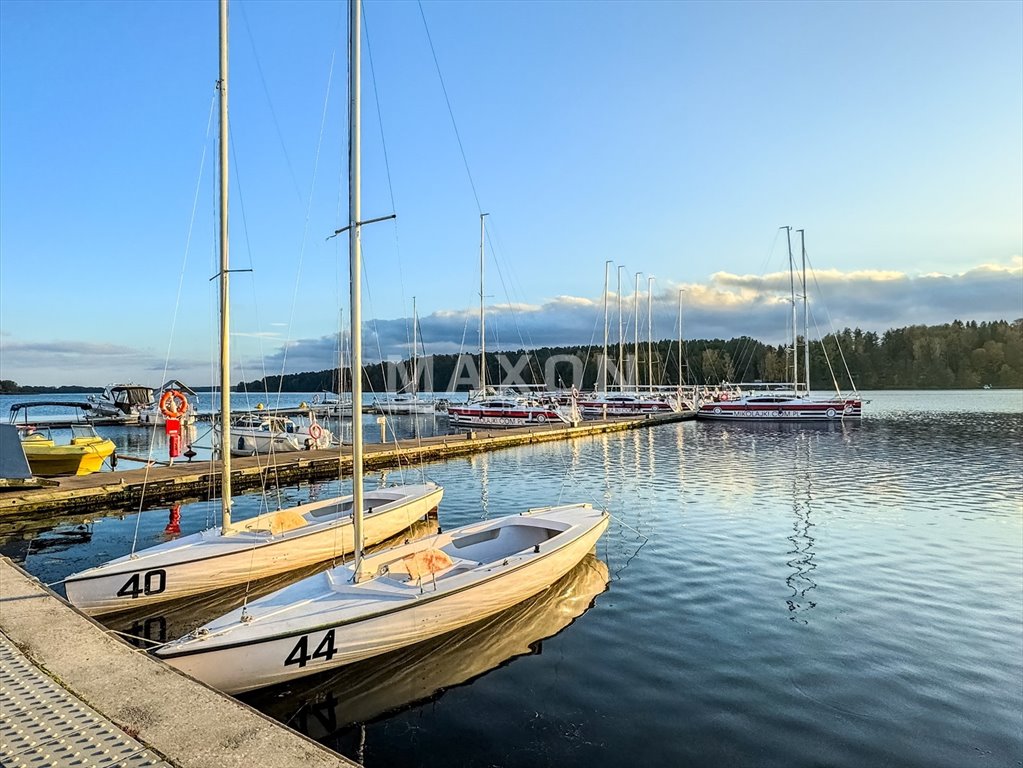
x=834 y=332
x=305 y=226
x=387 y=169
x=269 y=101
x=451 y=112
x=177 y=301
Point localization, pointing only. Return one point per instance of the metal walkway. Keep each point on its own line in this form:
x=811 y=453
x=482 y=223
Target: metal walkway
x=42 y=725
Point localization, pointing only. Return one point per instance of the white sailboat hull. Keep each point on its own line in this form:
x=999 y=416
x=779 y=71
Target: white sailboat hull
x=253 y=549
x=325 y=621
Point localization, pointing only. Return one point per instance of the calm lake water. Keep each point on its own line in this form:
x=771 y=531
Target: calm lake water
x=766 y=595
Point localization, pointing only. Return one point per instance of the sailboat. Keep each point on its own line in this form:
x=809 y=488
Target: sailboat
x=408 y=403
x=266 y=545
x=791 y=401
x=503 y=407
x=394 y=597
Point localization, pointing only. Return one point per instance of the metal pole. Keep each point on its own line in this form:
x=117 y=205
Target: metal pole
x=483 y=317
x=225 y=305
x=635 y=334
x=680 y=337
x=650 y=331
x=806 y=319
x=355 y=261
x=795 y=335
x=603 y=360
x=621 y=334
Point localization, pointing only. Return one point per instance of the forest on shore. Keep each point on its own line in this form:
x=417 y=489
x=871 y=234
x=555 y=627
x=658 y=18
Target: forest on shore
x=957 y=355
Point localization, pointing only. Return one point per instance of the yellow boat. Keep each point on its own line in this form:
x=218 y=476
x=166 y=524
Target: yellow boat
x=84 y=455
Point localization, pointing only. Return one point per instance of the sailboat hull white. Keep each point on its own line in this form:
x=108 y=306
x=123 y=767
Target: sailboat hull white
x=325 y=622
x=254 y=549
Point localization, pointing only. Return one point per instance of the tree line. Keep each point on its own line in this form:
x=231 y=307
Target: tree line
x=957 y=355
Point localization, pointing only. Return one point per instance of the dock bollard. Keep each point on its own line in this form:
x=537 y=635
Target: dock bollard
x=382 y=421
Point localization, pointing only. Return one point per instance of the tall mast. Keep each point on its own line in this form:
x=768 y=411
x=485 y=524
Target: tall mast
x=415 y=349
x=483 y=317
x=806 y=319
x=355 y=259
x=603 y=360
x=225 y=319
x=635 y=334
x=650 y=331
x=795 y=333
x=680 y=382
x=621 y=335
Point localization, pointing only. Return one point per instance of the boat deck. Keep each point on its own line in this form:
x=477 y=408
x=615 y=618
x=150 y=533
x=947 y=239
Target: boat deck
x=155 y=486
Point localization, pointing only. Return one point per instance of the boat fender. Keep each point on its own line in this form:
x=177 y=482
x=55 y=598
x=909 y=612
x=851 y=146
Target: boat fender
x=724 y=397
x=315 y=431
x=173 y=404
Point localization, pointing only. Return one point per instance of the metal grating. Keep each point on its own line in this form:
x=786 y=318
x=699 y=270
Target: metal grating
x=42 y=725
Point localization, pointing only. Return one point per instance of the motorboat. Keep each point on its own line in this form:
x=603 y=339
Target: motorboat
x=83 y=454
x=263 y=433
x=121 y=402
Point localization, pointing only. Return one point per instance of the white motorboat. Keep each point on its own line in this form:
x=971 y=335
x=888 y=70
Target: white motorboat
x=263 y=433
x=121 y=402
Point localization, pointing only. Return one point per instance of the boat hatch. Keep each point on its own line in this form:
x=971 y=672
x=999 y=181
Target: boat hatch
x=498 y=542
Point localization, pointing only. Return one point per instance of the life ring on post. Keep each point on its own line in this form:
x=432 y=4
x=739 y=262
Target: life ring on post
x=173 y=404
x=315 y=431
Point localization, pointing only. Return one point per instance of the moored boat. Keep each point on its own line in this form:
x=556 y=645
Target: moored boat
x=122 y=402
x=393 y=599
x=508 y=411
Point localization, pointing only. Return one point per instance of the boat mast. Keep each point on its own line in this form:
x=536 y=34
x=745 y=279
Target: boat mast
x=603 y=360
x=650 y=332
x=680 y=337
x=635 y=334
x=483 y=320
x=225 y=352
x=355 y=258
x=415 y=372
x=621 y=335
x=795 y=332
x=806 y=318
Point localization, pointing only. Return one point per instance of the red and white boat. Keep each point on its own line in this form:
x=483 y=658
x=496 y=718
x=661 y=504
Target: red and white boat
x=506 y=411
x=611 y=404
x=782 y=406
x=791 y=401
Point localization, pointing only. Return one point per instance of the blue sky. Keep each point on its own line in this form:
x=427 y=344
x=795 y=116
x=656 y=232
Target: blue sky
x=671 y=138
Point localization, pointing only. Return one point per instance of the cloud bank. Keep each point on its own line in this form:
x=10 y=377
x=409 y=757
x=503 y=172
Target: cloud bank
x=724 y=306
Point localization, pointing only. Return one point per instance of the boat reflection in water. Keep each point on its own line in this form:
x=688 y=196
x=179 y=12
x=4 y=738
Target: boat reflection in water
x=160 y=623
x=321 y=706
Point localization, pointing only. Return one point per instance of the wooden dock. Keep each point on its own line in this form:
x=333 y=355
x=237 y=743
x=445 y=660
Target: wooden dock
x=156 y=486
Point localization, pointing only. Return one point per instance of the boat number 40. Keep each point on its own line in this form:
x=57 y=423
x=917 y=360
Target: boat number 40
x=148 y=583
x=300 y=653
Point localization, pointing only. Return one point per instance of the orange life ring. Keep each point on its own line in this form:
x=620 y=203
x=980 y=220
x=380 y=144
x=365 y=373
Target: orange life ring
x=315 y=431
x=173 y=404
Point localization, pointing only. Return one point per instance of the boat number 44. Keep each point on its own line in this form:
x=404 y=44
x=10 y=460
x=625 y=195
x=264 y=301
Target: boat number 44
x=300 y=653
x=148 y=583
